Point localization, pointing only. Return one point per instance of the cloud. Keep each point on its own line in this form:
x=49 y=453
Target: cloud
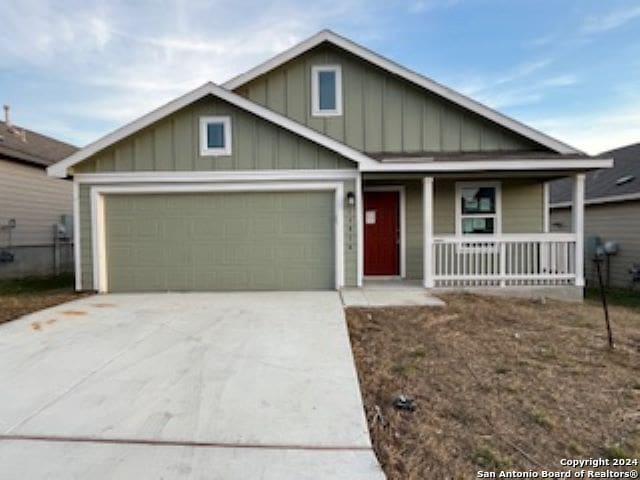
x=116 y=59
x=614 y=19
x=598 y=131
x=524 y=84
x=421 y=6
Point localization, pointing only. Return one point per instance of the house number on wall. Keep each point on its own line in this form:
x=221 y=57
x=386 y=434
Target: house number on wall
x=370 y=217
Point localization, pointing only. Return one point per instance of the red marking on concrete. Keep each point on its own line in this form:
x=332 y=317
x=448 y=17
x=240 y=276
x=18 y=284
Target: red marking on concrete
x=180 y=443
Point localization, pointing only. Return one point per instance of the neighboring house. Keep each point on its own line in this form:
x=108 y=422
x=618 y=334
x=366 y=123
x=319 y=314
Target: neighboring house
x=321 y=168
x=32 y=204
x=612 y=214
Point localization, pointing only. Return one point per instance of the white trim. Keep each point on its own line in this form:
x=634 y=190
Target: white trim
x=360 y=227
x=497 y=215
x=596 y=201
x=60 y=169
x=545 y=208
x=316 y=111
x=396 y=69
x=402 y=194
x=507 y=237
x=205 y=150
x=77 y=264
x=218 y=176
x=577 y=214
x=98 y=193
x=427 y=232
x=489 y=165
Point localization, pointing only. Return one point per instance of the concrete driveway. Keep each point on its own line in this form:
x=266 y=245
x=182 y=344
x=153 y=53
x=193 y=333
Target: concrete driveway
x=197 y=385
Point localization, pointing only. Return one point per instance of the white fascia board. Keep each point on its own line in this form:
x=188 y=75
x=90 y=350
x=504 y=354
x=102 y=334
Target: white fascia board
x=217 y=176
x=60 y=169
x=416 y=78
x=596 y=201
x=491 y=165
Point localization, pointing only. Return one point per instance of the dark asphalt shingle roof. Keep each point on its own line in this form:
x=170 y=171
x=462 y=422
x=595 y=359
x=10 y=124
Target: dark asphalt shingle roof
x=602 y=183
x=37 y=150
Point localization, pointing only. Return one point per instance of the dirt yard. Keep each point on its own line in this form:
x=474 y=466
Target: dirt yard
x=19 y=297
x=499 y=384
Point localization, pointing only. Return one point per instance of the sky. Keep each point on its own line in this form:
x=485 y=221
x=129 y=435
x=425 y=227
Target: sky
x=76 y=70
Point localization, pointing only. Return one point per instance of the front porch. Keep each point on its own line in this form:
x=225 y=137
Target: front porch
x=460 y=233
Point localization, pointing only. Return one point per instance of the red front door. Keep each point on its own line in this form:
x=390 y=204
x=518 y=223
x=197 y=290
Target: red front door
x=381 y=233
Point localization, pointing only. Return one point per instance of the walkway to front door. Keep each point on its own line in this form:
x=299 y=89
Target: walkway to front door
x=381 y=233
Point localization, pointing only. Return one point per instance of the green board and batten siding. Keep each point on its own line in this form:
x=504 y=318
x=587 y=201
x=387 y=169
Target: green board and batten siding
x=381 y=112
x=172 y=144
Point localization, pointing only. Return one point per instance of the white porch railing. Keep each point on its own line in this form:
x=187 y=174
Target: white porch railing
x=504 y=260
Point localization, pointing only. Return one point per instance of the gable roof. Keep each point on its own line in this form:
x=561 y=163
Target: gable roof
x=35 y=149
x=209 y=88
x=622 y=182
x=411 y=76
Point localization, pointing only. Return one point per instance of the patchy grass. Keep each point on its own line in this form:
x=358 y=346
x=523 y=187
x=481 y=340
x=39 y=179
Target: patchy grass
x=499 y=383
x=21 y=296
x=624 y=297
x=36 y=284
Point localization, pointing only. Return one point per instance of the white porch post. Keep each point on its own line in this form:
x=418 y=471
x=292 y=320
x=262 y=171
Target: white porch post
x=360 y=227
x=427 y=221
x=577 y=215
x=545 y=214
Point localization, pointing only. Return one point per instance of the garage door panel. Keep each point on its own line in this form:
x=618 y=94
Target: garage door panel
x=265 y=225
x=266 y=203
x=220 y=241
x=144 y=255
x=120 y=227
x=235 y=228
x=232 y=278
x=145 y=228
x=139 y=279
x=181 y=254
x=179 y=279
x=203 y=229
x=122 y=256
x=207 y=255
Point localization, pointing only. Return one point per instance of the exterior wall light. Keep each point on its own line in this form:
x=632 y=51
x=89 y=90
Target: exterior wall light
x=351 y=198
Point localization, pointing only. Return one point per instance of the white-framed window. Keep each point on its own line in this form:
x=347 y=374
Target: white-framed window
x=326 y=90
x=478 y=208
x=215 y=136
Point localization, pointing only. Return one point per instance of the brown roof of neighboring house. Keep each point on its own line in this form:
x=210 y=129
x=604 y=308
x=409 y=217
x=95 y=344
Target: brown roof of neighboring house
x=622 y=179
x=34 y=148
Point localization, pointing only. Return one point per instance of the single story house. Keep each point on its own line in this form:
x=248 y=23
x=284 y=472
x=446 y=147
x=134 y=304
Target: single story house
x=322 y=168
x=35 y=209
x=612 y=202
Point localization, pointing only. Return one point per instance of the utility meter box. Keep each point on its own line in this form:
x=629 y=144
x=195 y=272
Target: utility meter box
x=593 y=247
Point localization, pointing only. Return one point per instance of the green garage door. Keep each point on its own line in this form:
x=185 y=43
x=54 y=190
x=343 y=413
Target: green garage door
x=220 y=241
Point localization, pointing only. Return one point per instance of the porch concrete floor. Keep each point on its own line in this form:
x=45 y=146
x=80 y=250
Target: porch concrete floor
x=389 y=293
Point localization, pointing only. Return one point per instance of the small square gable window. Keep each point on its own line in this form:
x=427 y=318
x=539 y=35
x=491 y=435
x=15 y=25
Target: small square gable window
x=326 y=90
x=215 y=136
